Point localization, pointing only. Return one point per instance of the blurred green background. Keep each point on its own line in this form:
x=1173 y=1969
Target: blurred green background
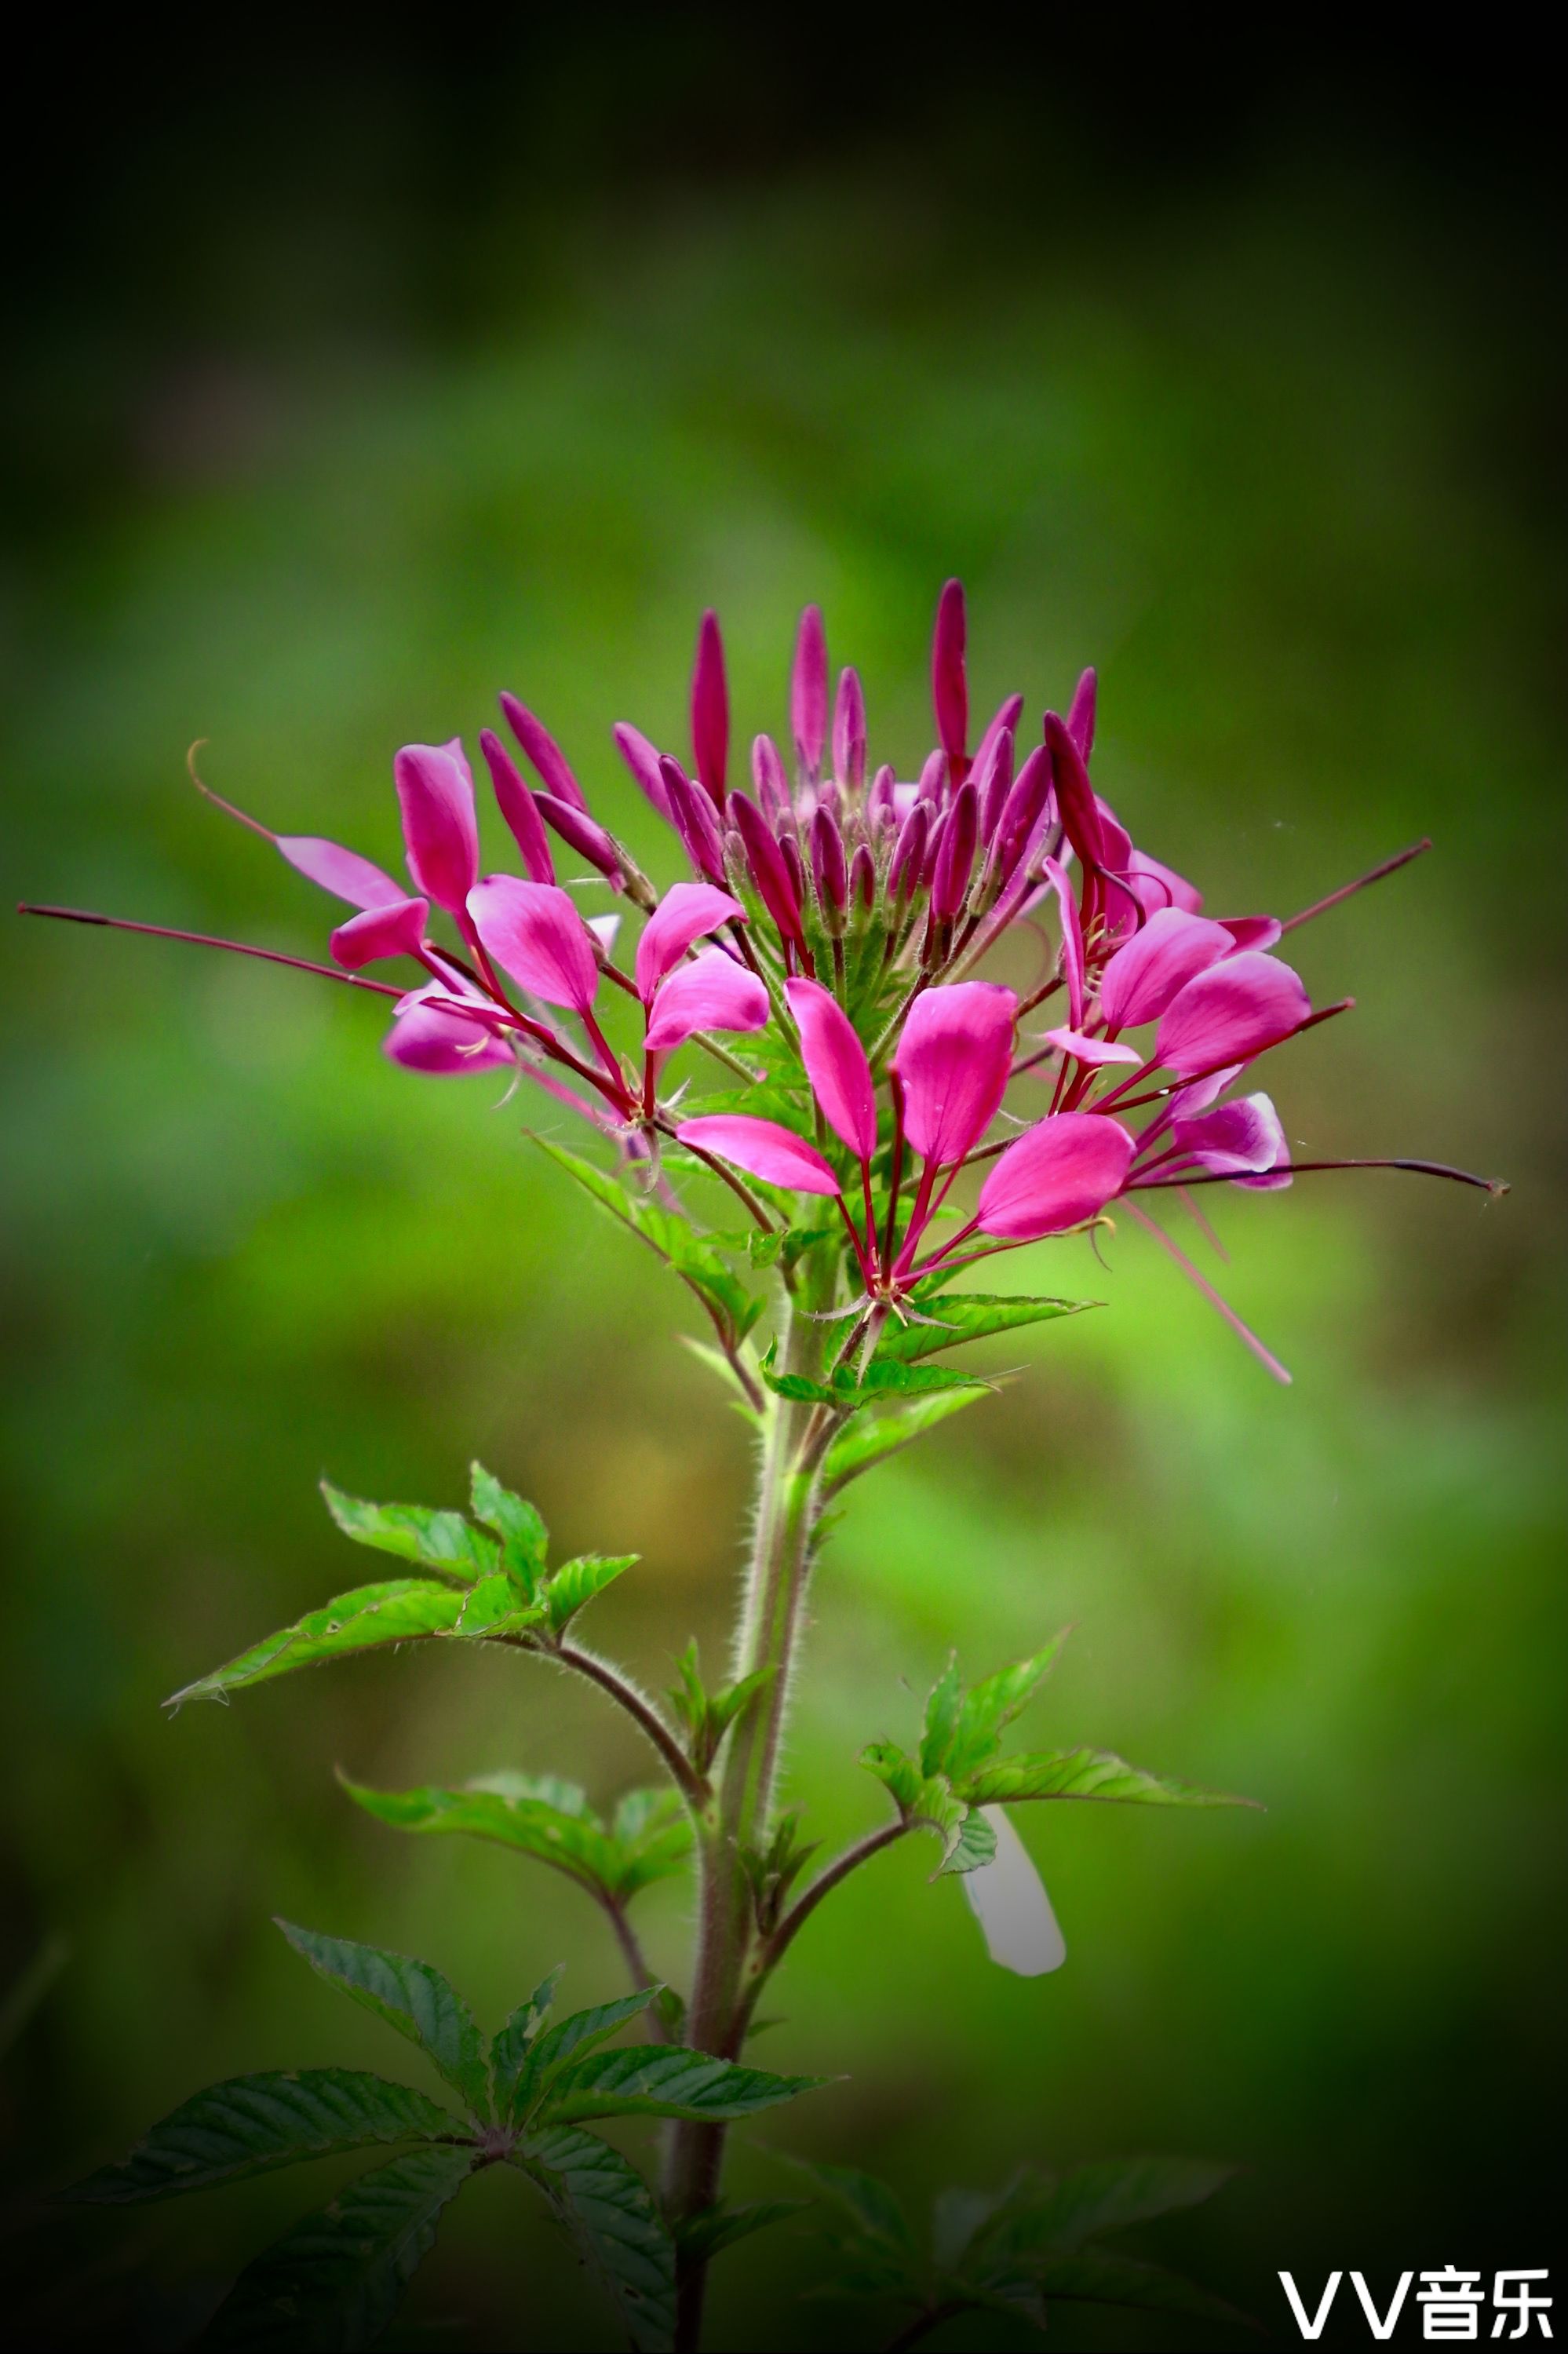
x=344 y=391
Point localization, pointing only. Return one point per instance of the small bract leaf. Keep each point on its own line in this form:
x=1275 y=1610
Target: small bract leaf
x=988 y=1708
x=573 y=2038
x=509 y=2044
x=443 y=1541
x=575 y=1583
x=251 y=2123
x=610 y=2213
x=409 y=1995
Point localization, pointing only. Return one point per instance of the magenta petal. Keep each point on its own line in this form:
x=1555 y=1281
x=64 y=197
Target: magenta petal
x=543 y=752
x=1071 y=939
x=1243 y=1140
x=953 y=1060
x=643 y=758
x=710 y=710
x=444 y=1044
x=835 y=1064
x=534 y=932
x=763 y=1150
x=1091 y=1051
x=1057 y=1174
x=711 y=992
x=1155 y=887
x=809 y=692
x=685 y=913
x=440 y=827
x=1081 y=715
x=518 y=806
x=1149 y=970
x=1253 y=931
x=950 y=686
x=1230 y=1013
x=342 y=871
x=395 y=930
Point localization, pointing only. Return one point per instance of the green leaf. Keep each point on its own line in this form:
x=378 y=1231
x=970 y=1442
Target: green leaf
x=524 y=1540
x=871 y=2205
x=368 y=1618
x=575 y=1583
x=1096 y=2279
x=880 y=1381
x=443 y=1541
x=411 y=1996
x=610 y=2213
x=652 y=1837
x=510 y=2044
x=495 y=1607
x=253 y=2123
x=868 y=1441
x=697 y=1261
x=1115 y=2193
x=701 y=2237
x=573 y=2038
x=1084 y=1774
x=969 y=1725
x=707 y=1716
x=654 y=2081
x=335 y=2278
x=941 y=1717
x=976 y=1844
x=929 y=1801
x=969 y=1316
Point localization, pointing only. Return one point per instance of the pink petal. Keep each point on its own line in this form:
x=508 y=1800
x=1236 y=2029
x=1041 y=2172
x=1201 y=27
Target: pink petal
x=1071 y=939
x=950 y=686
x=1254 y=931
x=809 y=692
x=1230 y=1013
x=1155 y=887
x=1081 y=715
x=434 y=1039
x=1055 y=1176
x=643 y=758
x=534 y=932
x=763 y=1148
x=953 y=1059
x=389 y=931
x=518 y=808
x=849 y=732
x=440 y=827
x=543 y=752
x=710 y=710
x=1151 y=968
x=342 y=871
x=1244 y=1140
x=686 y=912
x=1091 y=1051
x=835 y=1064
x=711 y=992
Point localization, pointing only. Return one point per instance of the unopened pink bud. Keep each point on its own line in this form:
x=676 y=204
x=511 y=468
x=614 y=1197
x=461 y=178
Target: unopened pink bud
x=809 y=692
x=643 y=758
x=949 y=687
x=1004 y=722
x=543 y=752
x=694 y=821
x=585 y=835
x=1022 y=812
x=516 y=803
x=710 y=710
x=862 y=878
x=849 y=732
x=932 y=786
x=766 y=862
x=789 y=852
x=1081 y=715
x=767 y=775
x=991 y=777
x=829 y=871
x=909 y=853
x=951 y=881
x=883 y=787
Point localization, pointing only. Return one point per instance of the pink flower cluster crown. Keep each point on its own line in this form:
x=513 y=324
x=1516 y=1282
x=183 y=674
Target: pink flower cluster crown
x=827 y=952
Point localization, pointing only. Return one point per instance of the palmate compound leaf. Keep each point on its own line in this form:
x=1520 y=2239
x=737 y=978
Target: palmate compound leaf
x=411 y=1996
x=608 y=2212
x=509 y=2044
x=968 y=1316
x=699 y=1262
x=436 y=1540
x=650 y=1836
x=251 y=2123
x=653 y=2080
x=962 y=1727
x=1083 y=1774
x=544 y=2053
x=335 y=2279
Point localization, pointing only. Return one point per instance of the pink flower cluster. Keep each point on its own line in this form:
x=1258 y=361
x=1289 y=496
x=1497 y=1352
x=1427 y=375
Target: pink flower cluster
x=838 y=921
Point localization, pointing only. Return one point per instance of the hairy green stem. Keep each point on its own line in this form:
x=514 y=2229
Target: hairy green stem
x=788 y=1506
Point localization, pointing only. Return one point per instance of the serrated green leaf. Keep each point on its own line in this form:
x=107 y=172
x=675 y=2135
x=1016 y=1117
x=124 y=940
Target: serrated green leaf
x=1084 y=1774
x=971 y=1723
x=969 y=1316
x=409 y=1995
x=881 y=1381
x=575 y=1583
x=251 y=2123
x=509 y=2045
x=941 y=1717
x=610 y=2213
x=701 y=2237
x=1115 y=2193
x=495 y=1606
x=975 y=1845
x=699 y=1262
x=925 y=1801
x=1097 y=2278
x=656 y=2081
x=524 y=1540
x=573 y=2038
x=403 y=1610
x=333 y=2281
x=866 y=1442
x=871 y=2206
x=614 y=1865
x=443 y=1541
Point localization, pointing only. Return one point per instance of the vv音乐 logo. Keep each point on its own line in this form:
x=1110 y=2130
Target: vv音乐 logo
x=1452 y=2304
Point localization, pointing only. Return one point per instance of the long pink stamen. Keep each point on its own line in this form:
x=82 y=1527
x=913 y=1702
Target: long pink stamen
x=1348 y=890
x=1191 y=1078
x=1222 y=1307
x=1302 y=1168
x=208 y=940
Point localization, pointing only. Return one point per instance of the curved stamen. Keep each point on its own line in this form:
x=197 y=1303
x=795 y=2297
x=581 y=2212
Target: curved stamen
x=1301 y=1168
x=208 y=940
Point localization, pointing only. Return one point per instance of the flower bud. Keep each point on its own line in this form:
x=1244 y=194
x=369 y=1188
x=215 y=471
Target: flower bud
x=809 y=692
x=765 y=863
x=863 y=879
x=694 y=821
x=949 y=687
x=710 y=710
x=543 y=752
x=516 y=803
x=849 y=733
x=584 y=835
x=909 y=853
x=767 y=775
x=951 y=880
x=829 y=871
